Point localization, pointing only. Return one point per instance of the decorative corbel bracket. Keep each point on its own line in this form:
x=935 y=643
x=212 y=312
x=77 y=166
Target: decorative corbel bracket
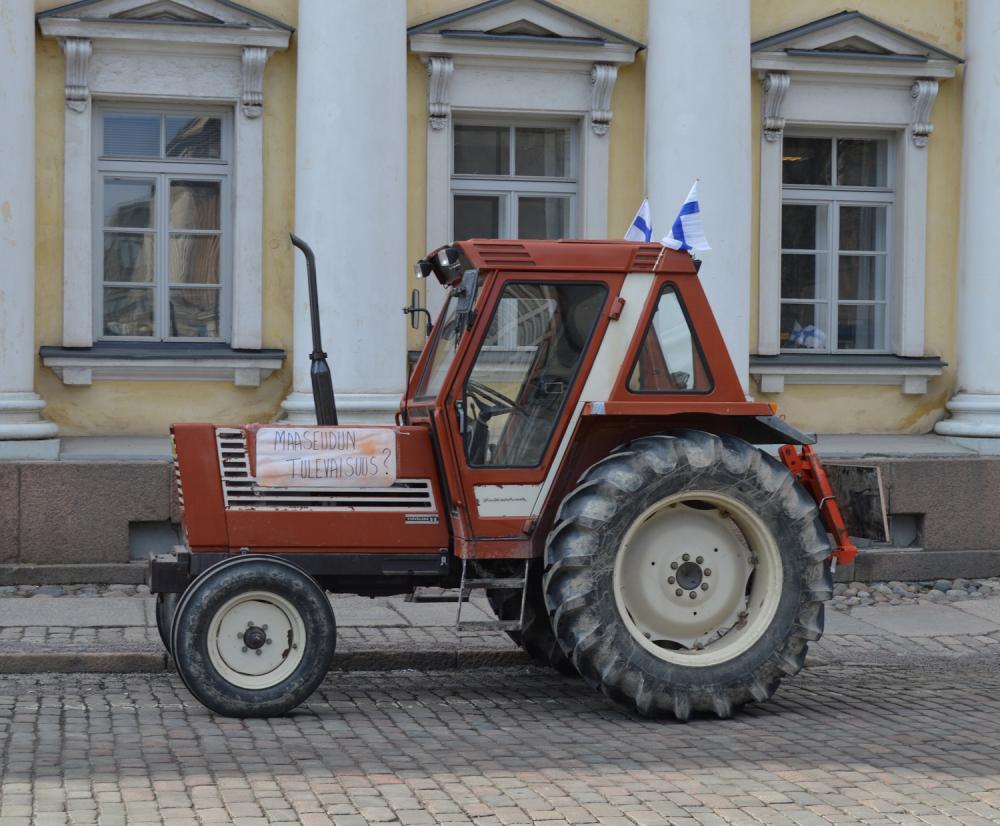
x=602 y=77
x=252 y=77
x=923 y=93
x=77 y=51
x=773 y=86
x=439 y=72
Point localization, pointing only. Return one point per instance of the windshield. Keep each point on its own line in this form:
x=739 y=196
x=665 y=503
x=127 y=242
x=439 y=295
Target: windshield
x=444 y=344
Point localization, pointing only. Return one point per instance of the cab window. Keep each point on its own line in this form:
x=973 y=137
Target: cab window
x=669 y=359
x=525 y=369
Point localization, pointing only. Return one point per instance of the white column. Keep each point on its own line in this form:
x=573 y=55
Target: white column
x=975 y=408
x=350 y=202
x=698 y=125
x=23 y=433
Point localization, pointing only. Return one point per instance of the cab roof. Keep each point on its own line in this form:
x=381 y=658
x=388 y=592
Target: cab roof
x=575 y=256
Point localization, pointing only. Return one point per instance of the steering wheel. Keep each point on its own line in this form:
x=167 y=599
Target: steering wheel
x=496 y=402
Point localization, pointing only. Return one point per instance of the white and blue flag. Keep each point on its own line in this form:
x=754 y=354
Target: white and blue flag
x=641 y=228
x=687 y=233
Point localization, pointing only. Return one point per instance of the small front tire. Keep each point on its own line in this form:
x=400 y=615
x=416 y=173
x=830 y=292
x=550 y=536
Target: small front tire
x=253 y=637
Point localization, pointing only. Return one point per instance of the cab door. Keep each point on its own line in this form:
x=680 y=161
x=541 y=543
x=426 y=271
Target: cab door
x=514 y=396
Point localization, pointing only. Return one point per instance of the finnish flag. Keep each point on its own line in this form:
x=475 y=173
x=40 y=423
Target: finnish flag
x=641 y=228
x=687 y=233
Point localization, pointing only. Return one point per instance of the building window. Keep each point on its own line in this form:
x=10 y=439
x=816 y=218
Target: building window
x=514 y=181
x=836 y=213
x=162 y=181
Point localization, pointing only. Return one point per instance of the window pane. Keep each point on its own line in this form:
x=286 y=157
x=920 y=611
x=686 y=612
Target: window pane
x=861 y=162
x=128 y=311
x=128 y=202
x=861 y=327
x=194 y=259
x=803 y=327
x=862 y=277
x=806 y=161
x=544 y=217
x=132 y=135
x=477 y=216
x=128 y=256
x=513 y=397
x=482 y=150
x=669 y=361
x=541 y=152
x=803 y=276
x=803 y=226
x=862 y=228
x=194 y=204
x=194 y=313
x=190 y=137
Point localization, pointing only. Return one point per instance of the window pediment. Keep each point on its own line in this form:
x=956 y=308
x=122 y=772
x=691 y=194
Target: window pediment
x=519 y=29
x=208 y=22
x=852 y=43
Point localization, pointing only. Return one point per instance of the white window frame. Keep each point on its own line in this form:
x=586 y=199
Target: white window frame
x=164 y=170
x=551 y=77
x=511 y=187
x=834 y=197
x=195 y=64
x=807 y=83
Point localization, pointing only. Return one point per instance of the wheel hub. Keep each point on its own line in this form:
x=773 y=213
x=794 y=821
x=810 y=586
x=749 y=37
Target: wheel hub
x=683 y=574
x=254 y=637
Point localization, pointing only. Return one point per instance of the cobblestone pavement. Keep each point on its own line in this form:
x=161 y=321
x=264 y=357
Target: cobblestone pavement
x=875 y=744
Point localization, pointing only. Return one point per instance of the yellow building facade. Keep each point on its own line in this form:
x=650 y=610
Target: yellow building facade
x=90 y=400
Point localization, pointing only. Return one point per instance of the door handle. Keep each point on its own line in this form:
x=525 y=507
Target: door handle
x=460 y=411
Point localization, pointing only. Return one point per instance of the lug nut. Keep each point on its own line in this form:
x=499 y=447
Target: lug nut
x=693 y=594
x=679 y=592
x=671 y=580
x=673 y=566
x=268 y=642
x=708 y=572
x=700 y=559
x=239 y=635
x=704 y=586
x=263 y=627
x=244 y=649
x=259 y=652
x=686 y=557
x=249 y=625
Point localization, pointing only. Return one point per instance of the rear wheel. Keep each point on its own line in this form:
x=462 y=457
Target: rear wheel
x=687 y=573
x=253 y=637
x=535 y=636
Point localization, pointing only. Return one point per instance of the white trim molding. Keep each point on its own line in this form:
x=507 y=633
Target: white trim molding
x=911 y=378
x=481 y=59
x=853 y=74
x=192 y=52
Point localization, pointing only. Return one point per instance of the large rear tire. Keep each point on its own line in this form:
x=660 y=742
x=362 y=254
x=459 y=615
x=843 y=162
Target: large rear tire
x=686 y=573
x=536 y=636
x=253 y=637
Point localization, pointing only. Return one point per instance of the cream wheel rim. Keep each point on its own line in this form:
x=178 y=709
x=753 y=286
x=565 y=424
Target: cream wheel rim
x=256 y=640
x=697 y=579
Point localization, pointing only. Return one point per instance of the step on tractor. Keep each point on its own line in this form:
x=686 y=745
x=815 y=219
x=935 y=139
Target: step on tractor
x=574 y=440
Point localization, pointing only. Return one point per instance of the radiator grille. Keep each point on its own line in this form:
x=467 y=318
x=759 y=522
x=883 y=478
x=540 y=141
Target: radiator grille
x=177 y=473
x=241 y=491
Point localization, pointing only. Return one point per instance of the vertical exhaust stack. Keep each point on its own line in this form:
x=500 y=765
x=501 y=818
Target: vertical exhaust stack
x=319 y=372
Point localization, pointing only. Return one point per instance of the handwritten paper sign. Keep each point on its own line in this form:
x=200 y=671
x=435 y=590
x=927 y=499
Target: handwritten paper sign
x=325 y=457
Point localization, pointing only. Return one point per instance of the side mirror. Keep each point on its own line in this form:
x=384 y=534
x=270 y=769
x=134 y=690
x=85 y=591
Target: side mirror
x=414 y=311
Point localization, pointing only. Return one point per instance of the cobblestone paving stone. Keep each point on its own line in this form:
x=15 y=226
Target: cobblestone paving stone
x=839 y=744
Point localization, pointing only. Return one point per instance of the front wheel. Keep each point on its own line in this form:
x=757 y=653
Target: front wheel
x=687 y=573
x=253 y=637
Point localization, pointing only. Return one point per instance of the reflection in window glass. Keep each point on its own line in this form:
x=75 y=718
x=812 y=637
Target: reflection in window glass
x=518 y=385
x=541 y=152
x=128 y=202
x=131 y=135
x=193 y=137
x=482 y=150
x=542 y=217
x=477 y=216
x=669 y=360
x=835 y=267
x=128 y=312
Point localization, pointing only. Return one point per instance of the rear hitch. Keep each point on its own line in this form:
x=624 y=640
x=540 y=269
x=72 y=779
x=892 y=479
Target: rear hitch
x=806 y=466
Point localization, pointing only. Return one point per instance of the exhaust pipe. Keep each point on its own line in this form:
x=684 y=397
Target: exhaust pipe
x=319 y=371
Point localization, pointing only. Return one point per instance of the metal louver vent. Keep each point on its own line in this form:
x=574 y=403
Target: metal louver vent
x=645 y=259
x=241 y=491
x=497 y=255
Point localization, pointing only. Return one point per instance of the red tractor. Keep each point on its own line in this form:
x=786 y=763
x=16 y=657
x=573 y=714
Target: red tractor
x=575 y=440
